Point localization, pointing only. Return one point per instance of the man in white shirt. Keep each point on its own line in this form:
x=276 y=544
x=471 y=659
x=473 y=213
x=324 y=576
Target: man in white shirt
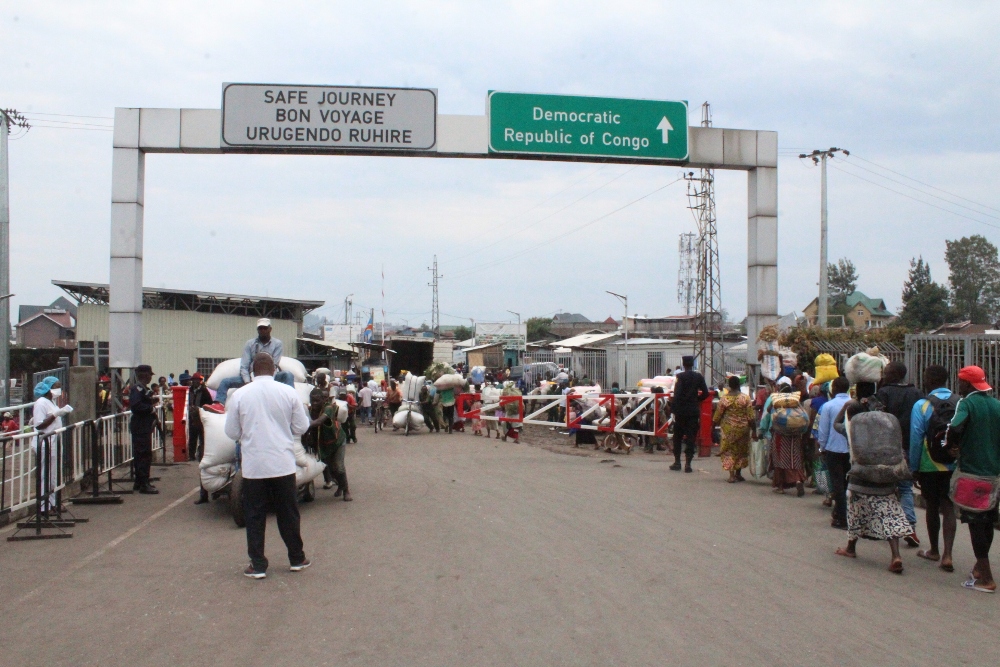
x=365 y=399
x=46 y=418
x=265 y=417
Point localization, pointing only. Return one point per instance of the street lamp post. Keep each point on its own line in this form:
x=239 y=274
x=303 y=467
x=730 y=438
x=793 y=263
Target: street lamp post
x=624 y=299
x=822 y=302
x=518 y=333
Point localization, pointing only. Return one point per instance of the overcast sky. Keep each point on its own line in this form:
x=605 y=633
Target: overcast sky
x=907 y=87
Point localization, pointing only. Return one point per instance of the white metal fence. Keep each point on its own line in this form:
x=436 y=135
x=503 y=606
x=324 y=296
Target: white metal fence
x=607 y=366
x=93 y=448
x=953 y=352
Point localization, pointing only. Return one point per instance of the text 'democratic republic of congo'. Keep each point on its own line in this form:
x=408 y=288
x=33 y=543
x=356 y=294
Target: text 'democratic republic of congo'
x=287 y=117
x=591 y=126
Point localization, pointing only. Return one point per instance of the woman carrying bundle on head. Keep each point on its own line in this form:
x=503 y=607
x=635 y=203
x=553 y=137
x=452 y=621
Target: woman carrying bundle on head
x=877 y=463
x=786 y=422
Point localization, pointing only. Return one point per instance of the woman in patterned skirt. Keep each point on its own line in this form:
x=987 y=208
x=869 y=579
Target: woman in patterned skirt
x=787 y=463
x=736 y=416
x=873 y=512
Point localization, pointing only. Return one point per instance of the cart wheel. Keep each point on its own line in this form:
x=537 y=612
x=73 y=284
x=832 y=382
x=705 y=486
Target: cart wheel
x=236 y=500
x=309 y=492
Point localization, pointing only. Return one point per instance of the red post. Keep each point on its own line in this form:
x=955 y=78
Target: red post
x=180 y=395
x=705 y=426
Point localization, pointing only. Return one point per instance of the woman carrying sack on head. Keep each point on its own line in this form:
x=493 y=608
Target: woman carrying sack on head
x=877 y=464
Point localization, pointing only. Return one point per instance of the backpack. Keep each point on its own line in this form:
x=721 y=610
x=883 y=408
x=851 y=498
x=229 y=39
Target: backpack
x=788 y=417
x=942 y=412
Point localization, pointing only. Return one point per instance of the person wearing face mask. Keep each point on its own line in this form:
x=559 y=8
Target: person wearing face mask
x=46 y=418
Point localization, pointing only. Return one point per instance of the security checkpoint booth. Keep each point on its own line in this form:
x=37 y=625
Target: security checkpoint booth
x=346 y=120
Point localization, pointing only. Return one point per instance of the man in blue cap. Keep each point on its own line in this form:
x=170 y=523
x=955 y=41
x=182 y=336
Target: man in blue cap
x=141 y=403
x=46 y=418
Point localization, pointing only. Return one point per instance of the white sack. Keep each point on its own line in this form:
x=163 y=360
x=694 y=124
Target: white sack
x=415 y=417
x=231 y=368
x=307 y=467
x=293 y=366
x=227 y=369
x=450 y=381
x=219 y=449
x=214 y=478
x=411 y=387
x=303 y=389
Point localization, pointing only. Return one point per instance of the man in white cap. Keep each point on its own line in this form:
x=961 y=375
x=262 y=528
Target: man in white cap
x=264 y=342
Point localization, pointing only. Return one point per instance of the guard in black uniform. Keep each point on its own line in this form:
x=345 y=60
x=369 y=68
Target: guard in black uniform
x=689 y=391
x=141 y=425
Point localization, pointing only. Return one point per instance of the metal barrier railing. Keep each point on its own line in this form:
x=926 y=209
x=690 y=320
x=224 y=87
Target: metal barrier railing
x=35 y=467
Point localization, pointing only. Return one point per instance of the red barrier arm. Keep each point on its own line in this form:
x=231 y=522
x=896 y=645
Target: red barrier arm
x=462 y=403
x=506 y=400
x=607 y=401
x=572 y=423
x=660 y=423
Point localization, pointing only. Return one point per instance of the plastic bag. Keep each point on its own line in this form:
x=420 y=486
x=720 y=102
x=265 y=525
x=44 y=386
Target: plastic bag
x=822 y=476
x=758 y=459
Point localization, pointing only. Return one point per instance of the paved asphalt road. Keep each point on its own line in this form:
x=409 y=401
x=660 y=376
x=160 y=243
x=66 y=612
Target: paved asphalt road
x=462 y=551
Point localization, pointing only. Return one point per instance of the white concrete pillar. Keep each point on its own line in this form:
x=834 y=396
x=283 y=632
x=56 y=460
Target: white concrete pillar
x=128 y=168
x=762 y=254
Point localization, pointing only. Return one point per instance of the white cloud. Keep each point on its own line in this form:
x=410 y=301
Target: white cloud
x=909 y=87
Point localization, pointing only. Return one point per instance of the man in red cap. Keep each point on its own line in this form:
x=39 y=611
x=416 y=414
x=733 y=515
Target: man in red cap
x=974 y=436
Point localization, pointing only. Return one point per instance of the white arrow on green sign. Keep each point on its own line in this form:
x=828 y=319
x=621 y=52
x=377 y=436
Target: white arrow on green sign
x=591 y=126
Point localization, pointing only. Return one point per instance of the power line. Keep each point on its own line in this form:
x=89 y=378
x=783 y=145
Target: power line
x=66 y=115
x=927 y=184
x=928 y=194
x=543 y=219
x=571 y=231
x=903 y=194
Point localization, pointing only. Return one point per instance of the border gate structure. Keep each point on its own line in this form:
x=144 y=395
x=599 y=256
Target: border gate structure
x=140 y=131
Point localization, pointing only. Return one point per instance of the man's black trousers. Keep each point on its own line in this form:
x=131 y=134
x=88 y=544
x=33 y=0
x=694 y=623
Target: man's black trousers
x=142 y=457
x=839 y=464
x=685 y=433
x=196 y=441
x=278 y=494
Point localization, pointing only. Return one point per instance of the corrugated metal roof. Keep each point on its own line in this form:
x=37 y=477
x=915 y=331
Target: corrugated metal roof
x=583 y=340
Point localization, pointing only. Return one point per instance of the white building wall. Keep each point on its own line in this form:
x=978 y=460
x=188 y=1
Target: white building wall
x=173 y=340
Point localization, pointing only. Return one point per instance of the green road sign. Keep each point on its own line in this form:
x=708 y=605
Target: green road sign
x=595 y=126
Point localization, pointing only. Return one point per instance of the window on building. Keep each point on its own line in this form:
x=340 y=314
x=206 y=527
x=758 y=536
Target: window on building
x=85 y=354
x=206 y=365
x=654 y=364
x=861 y=313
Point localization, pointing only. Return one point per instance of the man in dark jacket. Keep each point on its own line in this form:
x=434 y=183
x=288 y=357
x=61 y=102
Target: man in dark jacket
x=898 y=399
x=689 y=391
x=140 y=400
x=198 y=397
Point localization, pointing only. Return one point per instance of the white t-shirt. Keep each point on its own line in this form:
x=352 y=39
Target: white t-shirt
x=366 y=397
x=43 y=409
x=265 y=417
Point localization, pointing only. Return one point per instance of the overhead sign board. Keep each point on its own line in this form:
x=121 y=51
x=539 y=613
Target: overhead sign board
x=591 y=126
x=281 y=116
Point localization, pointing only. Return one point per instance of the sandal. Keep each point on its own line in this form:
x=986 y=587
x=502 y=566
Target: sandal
x=973 y=585
x=947 y=567
x=841 y=551
x=923 y=553
x=896 y=566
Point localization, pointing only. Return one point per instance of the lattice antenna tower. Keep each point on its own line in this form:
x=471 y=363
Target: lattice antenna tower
x=687 y=250
x=435 y=309
x=708 y=323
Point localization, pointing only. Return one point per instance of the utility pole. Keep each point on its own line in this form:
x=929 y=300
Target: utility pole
x=624 y=299
x=518 y=332
x=8 y=117
x=435 y=309
x=820 y=157
x=687 y=250
x=347 y=308
x=708 y=323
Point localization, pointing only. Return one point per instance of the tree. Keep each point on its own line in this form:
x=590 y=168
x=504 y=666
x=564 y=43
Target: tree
x=538 y=328
x=464 y=333
x=925 y=303
x=974 y=274
x=842 y=279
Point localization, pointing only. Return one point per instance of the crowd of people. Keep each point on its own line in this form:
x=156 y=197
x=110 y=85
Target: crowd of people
x=865 y=440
